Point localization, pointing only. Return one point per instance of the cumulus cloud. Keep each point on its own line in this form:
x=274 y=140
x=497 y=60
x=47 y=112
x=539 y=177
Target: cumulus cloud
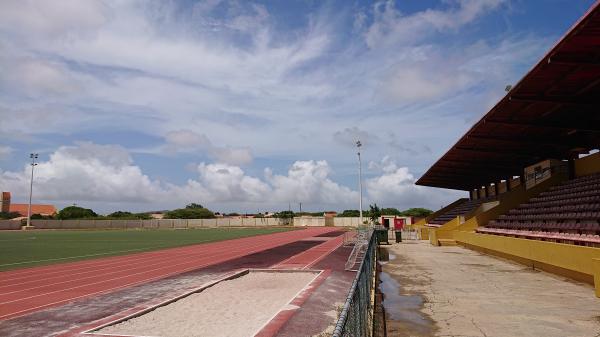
x=92 y=172
x=395 y=186
x=309 y=181
x=86 y=172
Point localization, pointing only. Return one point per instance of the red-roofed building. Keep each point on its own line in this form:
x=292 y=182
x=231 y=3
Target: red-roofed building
x=7 y=206
x=45 y=210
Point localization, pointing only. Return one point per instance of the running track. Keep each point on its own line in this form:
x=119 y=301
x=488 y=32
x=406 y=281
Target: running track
x=27 y=290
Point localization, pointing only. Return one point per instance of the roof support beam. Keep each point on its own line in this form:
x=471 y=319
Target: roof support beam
x=574 y=60
x=518 y=140
x=549 y=99
x=474 y=167
x=508 y=152
x=563 y=126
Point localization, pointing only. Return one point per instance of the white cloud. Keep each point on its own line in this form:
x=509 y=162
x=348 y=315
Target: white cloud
x=89 y=172
x=309 y=182
x=391 y=27
x=395 y=187
x=85 y=172
x=49 y=19
x=226 y=79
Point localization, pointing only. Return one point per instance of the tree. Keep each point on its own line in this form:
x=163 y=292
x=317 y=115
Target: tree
x=188 y=212
x=374 y=213
x=76 y=212
x=9 y=215
x=390 y=211
x=285 y=214
x=417 y=212
x=129 y=215
x=194 y=206
x=120 y=214
x=349 y=213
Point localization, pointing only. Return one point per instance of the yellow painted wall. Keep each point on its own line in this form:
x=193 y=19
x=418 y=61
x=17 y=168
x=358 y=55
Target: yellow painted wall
x=443 y=232
x=587 y=165
x=580 y=261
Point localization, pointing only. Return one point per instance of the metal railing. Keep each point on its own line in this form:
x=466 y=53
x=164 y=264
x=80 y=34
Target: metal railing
x=356 y=318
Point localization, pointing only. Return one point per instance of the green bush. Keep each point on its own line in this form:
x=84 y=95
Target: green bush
x=191 y=211
x=76 y=212
x=9 y=215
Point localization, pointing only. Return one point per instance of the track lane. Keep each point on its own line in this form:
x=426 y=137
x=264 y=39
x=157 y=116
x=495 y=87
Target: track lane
x=39 y=295
x=23 y=275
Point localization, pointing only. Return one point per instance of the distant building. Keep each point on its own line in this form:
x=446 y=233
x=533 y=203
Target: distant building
x=7 y=206
x=45 y=210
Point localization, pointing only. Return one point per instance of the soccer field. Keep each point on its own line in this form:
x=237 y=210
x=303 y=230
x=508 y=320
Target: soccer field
x=34 y=248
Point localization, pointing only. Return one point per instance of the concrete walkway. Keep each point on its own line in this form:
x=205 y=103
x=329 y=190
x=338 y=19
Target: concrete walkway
x=453 y=291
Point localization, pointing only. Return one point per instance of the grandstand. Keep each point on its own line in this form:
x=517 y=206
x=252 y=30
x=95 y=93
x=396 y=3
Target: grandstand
x=461 y=209
x=531 y=167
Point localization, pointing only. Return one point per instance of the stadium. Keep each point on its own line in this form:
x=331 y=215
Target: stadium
x=518 y=256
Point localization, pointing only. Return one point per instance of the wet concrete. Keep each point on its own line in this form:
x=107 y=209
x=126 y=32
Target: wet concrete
x=453 y=291
x=403 y=309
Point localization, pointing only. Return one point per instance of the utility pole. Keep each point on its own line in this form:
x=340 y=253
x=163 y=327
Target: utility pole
x=33 y=157
x=358 y=145
x=300 y=207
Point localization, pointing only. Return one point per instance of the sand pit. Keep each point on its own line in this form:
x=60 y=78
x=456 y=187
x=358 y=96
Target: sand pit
x=237 y=307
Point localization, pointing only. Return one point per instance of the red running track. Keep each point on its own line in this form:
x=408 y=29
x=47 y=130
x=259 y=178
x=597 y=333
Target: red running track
x=26 y=290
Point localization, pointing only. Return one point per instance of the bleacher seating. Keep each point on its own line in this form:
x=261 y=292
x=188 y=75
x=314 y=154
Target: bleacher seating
x=460 y=210
x=569 y=212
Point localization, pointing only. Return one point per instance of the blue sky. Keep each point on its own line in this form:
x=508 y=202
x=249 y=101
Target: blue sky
x=250 y=106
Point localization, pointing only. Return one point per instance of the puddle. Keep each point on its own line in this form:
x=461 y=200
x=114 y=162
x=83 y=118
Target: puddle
x=385 y=256
x=404 y=309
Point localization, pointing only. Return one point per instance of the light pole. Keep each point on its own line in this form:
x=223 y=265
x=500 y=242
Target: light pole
x=33 y=157
x=358 y=145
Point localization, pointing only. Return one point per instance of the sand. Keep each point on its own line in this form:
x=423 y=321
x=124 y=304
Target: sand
x=238 y=307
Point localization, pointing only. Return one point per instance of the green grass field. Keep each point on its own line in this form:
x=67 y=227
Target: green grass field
x=35 y=248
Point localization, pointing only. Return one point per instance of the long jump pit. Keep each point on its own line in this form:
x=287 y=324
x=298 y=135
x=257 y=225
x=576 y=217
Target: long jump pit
x=242 y=304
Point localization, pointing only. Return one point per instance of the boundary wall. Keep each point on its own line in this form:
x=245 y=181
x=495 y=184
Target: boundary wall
x=154 y=224
x=180 y=223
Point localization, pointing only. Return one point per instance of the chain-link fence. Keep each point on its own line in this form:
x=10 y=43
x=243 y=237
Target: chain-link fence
x=356 y=318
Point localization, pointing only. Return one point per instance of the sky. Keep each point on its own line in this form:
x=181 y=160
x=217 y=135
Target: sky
x=253 y=106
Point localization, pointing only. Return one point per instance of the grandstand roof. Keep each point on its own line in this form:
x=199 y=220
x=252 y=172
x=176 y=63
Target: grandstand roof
x=553 y=112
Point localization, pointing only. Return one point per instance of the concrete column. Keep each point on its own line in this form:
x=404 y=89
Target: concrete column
x=596 y=269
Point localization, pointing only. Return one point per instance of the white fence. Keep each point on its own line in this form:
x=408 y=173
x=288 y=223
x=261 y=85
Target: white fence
x=347 y=222
x=307 y=221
